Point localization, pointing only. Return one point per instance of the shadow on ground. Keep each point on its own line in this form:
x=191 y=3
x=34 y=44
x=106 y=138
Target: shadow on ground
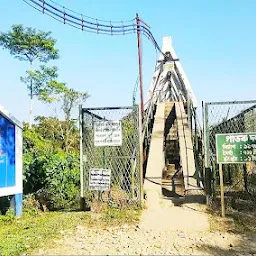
x=210 y=250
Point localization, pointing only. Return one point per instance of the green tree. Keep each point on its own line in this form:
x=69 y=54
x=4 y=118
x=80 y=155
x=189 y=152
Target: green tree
x=28 y=44
x=69 y=100
x=54 y=129
x=45 y=85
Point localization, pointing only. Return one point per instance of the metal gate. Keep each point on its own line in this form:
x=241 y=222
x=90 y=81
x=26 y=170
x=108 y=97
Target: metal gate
x=229 y=117
x=113 y=148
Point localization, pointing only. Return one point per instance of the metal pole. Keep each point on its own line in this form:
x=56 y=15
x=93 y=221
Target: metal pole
x=196 y=149
x=222 y=191
x=82 y=199
x=103 y=167
x=18 y=204
x=206 y=135
x=140 y=63
x=141 y=157
x=207 y=176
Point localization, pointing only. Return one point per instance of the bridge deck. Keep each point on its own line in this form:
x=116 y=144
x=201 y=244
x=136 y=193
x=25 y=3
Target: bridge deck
x=186 y=149
x=156 y=157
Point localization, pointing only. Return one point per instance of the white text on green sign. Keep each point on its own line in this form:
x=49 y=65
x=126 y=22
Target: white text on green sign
x=236 y=147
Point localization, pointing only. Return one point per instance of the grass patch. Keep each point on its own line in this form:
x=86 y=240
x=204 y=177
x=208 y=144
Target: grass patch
x=236 y=221
x=115 y=216
x=244 y=222
x=30 y=232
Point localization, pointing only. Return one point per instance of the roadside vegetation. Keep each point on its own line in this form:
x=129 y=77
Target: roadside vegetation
x=238 y=220
x=51 y=143
x=36 y=228
x=51 y=161
x=50 y=154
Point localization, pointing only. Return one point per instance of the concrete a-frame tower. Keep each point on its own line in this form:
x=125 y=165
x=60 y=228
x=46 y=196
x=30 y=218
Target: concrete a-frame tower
x=171 y=166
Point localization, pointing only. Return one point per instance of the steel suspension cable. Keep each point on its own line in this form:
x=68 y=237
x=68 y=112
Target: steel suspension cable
x=89 y=24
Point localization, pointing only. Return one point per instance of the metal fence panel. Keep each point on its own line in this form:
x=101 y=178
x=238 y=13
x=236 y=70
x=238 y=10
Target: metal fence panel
x=230 y=117
x=122 y=160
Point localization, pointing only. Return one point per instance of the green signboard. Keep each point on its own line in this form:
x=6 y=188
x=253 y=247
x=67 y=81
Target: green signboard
x=236 y=148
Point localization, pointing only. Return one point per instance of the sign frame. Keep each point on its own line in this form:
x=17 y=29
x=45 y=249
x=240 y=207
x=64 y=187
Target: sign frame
x=227 y=162
x=230 y=134
x=111 y=134
x=108 y=181
x=17 y=188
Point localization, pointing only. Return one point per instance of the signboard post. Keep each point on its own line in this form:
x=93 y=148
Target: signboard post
x=222 y=191
x=233 y=148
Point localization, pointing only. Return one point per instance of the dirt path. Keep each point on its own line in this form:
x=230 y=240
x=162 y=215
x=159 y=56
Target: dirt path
x=164 y=229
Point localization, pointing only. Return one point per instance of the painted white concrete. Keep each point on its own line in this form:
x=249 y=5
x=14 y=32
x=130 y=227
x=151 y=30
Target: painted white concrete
x=169 y=89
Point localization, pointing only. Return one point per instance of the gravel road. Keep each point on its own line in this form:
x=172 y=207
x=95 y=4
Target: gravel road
x=163 y=230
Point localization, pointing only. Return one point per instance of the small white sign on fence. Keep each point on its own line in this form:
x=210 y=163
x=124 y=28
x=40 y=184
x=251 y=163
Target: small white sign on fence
x=107 y=133
x=99 y=179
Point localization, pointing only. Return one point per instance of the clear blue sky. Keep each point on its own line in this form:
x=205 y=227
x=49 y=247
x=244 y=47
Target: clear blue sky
x=214 y=40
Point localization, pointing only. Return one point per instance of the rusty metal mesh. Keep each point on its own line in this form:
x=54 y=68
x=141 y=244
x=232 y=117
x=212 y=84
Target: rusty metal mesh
x=123 y=161
x=230 y=117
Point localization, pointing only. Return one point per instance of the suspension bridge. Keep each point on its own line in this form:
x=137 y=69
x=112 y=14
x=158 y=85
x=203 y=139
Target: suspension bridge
x=170 y=142
x=169 y=134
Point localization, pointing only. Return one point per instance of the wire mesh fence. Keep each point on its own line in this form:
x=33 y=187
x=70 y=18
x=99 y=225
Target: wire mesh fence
x=110 y=146
x=196 y=133
x=230 y=117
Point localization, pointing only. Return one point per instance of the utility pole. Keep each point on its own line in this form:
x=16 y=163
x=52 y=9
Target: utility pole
x=141 y=108
x=140 y=63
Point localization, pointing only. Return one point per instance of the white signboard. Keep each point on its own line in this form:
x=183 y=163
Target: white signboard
x=99 y=179
x=107 y=133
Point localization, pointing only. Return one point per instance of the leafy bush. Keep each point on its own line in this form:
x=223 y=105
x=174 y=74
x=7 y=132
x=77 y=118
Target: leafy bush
x=4 y=204
x=8 y=218
x=49 y=172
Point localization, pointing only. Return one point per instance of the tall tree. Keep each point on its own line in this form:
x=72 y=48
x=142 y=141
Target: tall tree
x=45 y=85
x=68 y=100
x=28 y=44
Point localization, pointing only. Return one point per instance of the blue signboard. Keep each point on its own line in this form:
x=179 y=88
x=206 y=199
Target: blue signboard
x=11 y=158
x=7 y=153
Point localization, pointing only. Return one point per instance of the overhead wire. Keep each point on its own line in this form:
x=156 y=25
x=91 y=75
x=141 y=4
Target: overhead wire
x=89 y=16
x=67 y=18
x=96 y=26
